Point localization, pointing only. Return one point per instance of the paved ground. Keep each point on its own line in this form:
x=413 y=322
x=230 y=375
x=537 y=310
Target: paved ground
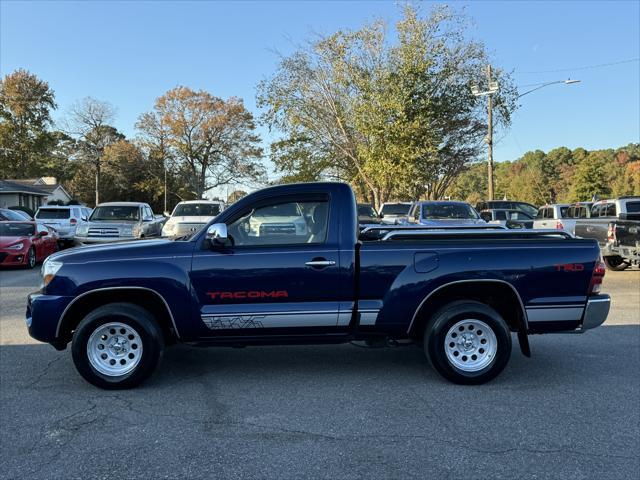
x=572 y=411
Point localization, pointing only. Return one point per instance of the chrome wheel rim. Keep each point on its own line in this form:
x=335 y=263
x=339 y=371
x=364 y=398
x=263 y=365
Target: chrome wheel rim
x=470 y=345
x=114 y=349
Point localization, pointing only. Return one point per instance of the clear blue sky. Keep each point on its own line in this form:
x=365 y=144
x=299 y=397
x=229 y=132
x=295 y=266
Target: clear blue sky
x=128 y=53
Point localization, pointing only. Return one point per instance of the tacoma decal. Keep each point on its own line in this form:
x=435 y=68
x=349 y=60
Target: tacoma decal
x=252 y=294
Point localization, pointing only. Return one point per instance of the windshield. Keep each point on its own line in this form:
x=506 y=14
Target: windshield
x=282 y=210
x=113 y=212
x=448 y=210
x=11 y=215
x=50 y=213
x=196 y=210
x=366 y=211
x=8 y=229
x=395 y=209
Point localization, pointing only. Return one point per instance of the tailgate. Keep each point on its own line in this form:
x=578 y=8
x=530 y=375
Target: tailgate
x=628 y=233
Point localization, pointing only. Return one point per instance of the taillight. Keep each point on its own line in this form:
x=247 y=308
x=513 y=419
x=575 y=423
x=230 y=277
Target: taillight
x=611 y=232
x=559 y=225
x=596 y=278
x=73 y=221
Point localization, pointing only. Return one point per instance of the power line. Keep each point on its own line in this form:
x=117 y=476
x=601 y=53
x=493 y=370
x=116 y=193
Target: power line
x=586 y=67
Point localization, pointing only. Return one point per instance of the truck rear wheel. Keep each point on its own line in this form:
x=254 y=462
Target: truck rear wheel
x=616 y=263
x=467 y=342
x=117 y=346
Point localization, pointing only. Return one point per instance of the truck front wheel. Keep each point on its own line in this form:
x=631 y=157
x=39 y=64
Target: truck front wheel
x=117 y=346
x=467 y=342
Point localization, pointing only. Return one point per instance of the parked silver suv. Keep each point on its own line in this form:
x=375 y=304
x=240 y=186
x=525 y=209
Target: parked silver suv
x=64 y=219
x=118 y=221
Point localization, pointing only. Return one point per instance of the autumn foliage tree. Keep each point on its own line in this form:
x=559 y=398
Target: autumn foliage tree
x=209 y=141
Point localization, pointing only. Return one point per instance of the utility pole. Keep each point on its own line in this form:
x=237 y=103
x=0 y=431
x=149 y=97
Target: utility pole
x=490 y=135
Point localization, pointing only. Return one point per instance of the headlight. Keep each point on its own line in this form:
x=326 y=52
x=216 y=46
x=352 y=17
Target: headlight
x=49 y=270
x=17 y=246
x=82 y=230
x=126 y=231
x=169 y=227
x=135 y=231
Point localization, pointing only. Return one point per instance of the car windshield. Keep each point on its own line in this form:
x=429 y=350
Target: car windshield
x=113 y=212
x=11 y=215
x=448 y=210
x=196 y=210
x=527 y=208
x=53 y=213
x=10 y=229
x=395 y=209
x=366 y=211
x=282 y=210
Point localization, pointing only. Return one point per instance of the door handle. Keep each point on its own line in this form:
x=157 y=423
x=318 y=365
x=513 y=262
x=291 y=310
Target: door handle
x=320 y=263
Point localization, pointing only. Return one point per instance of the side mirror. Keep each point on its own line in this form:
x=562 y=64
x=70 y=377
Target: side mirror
x=217 y=234
x=43 y=234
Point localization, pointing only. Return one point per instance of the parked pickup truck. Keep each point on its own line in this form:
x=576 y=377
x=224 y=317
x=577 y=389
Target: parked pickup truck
x=458 y=293
x=598 y=226
x=623 y=242
x=119 y=221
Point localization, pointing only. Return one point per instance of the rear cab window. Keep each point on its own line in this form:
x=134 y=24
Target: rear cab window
x=53 y=213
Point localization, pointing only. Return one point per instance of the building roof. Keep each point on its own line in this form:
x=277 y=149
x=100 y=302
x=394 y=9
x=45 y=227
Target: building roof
x=17 y=186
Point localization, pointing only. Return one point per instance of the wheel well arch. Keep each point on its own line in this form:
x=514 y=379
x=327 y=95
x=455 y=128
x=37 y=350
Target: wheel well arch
x=498 y=294
x=145 y=297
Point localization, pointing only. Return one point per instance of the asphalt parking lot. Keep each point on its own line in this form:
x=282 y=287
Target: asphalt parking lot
x=571 y=411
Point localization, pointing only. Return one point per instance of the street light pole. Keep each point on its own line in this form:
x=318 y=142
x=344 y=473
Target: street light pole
x=493 y=88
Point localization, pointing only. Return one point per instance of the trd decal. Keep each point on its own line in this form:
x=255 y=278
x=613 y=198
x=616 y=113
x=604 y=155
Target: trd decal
x=569 y=267
x=237 y=321
x=252 y=295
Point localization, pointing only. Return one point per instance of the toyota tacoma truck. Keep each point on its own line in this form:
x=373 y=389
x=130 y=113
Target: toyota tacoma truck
x=459 y=294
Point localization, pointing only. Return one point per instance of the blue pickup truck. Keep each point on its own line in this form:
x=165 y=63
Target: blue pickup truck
x=288 y=265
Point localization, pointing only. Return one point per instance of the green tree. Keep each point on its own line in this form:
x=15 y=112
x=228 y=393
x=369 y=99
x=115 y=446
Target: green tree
x=25 y=117
x=590 y=178
x=396 y=119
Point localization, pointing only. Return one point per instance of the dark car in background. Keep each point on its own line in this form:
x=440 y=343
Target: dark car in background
x=394 y=213
x=367 y=214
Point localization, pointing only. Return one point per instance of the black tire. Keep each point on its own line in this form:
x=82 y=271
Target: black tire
x=617 y=263
x=31 y=258
x=435 y=338
x=132 y=316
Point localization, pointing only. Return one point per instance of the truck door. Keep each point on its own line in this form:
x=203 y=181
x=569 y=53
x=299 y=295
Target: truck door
x=281 y=276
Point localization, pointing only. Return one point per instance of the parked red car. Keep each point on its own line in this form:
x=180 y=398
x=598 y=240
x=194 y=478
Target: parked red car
x=26 y=243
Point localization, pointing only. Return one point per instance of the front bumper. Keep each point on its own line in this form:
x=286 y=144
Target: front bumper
x=596 y=311
x=43 y=315
x=10 y=258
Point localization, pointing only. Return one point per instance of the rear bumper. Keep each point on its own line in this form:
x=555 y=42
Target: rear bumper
x=596 y=311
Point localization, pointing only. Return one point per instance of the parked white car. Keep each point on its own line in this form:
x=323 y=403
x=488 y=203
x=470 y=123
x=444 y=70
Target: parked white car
x=552 y=217
x=395 y=213
x=64 y=219
x=282 y=219
x=189 y=217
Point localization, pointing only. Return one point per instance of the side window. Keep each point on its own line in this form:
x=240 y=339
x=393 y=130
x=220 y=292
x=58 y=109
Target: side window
x=548 y=212
x=602 y=211
x=287 y=223
x=540 y=214
x=147 y=213
x=416 y=213
x=611 y=210
x=486 y=216
x=501 y=215
x=595 y=210
x=76 y=212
